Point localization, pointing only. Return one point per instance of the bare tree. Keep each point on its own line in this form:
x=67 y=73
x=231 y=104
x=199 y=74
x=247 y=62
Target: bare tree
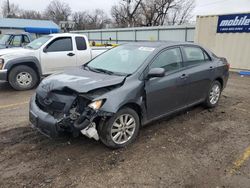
x=119 y=15
x=156 y=11
x=10 y=10
x=182 y=13
x=57 y=11
x=125 y=12
x=80 y=19
x=98 y=19
x=30 y=14
x=151 y=12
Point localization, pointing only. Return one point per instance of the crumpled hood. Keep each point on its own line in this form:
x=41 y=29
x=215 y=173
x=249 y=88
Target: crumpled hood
x=13 y=53
x=79 y=80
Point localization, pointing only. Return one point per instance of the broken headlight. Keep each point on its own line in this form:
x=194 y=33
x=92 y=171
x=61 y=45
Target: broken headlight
x=96 y=105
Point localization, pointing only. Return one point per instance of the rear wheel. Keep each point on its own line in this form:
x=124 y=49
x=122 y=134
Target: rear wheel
x=121 y=129
x=23 y=78
x=214 y=94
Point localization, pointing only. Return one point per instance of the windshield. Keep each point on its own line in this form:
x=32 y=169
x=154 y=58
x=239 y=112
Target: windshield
x=122 y=60
x=36 y=44
x=4 y=39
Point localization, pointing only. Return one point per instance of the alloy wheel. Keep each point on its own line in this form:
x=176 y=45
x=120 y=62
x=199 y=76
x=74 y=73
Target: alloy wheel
x=123 y=128
x=214 y=94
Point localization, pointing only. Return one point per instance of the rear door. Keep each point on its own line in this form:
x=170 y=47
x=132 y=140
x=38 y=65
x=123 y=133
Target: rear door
x=200 y=70
x=168 y=93
x=83 y=53
x=58 y=55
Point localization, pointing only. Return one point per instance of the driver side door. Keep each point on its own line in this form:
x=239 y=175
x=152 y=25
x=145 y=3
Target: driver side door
x=168 y=93
x=58 y=55
x=16 y=41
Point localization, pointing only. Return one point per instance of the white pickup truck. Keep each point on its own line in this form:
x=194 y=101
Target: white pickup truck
x=24 y=67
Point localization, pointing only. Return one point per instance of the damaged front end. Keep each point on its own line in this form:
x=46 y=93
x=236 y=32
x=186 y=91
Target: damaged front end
x=65 y=110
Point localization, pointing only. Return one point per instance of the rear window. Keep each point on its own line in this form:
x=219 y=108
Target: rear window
x=81 y=43
x=194 y=55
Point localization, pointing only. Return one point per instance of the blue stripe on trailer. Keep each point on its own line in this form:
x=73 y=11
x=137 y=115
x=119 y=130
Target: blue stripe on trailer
x=244 y=73
x=41 y=30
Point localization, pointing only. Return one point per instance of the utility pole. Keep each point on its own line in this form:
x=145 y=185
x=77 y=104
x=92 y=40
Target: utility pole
x=8 y=8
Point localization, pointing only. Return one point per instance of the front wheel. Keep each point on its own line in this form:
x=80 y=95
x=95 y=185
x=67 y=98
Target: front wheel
x=121 y=129
x=23 y=78
x=213 y=95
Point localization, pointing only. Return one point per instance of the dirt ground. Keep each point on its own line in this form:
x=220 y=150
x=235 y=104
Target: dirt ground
x=196 y=148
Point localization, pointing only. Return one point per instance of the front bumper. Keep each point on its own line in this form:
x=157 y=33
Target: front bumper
x=3 y=75
x=52 y=127
x=42 y=121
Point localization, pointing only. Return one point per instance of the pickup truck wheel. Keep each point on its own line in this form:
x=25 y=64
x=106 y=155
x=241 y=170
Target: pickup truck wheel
x=213 y=95
x=23 y=78
x=121 y=129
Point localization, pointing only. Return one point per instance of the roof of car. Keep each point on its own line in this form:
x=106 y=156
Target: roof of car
x=13 y=33
x=66 y=34
x=158 y=44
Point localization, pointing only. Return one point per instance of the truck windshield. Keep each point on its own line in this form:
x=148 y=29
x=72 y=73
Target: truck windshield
x=121 y=60
x=36 y=44
x=4 y=39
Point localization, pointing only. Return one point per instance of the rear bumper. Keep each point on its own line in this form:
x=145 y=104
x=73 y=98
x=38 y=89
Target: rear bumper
x=3 y=75
x=225 y=80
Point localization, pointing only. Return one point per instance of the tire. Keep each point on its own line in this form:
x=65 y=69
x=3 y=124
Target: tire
x=23 y=78
x=105 y=128
x=214 y=91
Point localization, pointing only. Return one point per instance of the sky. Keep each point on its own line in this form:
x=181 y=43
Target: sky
x=76 y=5
x=210 y=7
x=203 y=7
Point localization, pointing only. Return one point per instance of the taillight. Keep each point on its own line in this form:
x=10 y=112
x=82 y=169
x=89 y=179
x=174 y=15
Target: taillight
x=224 y=60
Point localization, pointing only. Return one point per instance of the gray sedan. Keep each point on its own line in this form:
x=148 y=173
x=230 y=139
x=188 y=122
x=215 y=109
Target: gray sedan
x=127 y=87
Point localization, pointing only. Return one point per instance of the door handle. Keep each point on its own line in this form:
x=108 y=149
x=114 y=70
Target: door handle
x=70 y=54
x=184 y=76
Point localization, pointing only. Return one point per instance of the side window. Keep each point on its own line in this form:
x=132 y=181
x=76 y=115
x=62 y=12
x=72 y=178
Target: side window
x=26 y=39
x=60 y=45
x=207 y=58
x=194 y=55
x=16 y=41
x=169 y=60
x=81 y=43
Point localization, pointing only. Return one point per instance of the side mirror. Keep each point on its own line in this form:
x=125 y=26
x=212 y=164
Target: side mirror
x=156 y=72
x=45 y=49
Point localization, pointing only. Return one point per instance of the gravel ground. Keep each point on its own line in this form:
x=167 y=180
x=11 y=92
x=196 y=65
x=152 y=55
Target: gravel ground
x=195 y=148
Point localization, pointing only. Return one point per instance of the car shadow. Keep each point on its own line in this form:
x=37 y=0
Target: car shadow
x=29 y=136
x=5 y=86
x=7 y=89
x=194 y=109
